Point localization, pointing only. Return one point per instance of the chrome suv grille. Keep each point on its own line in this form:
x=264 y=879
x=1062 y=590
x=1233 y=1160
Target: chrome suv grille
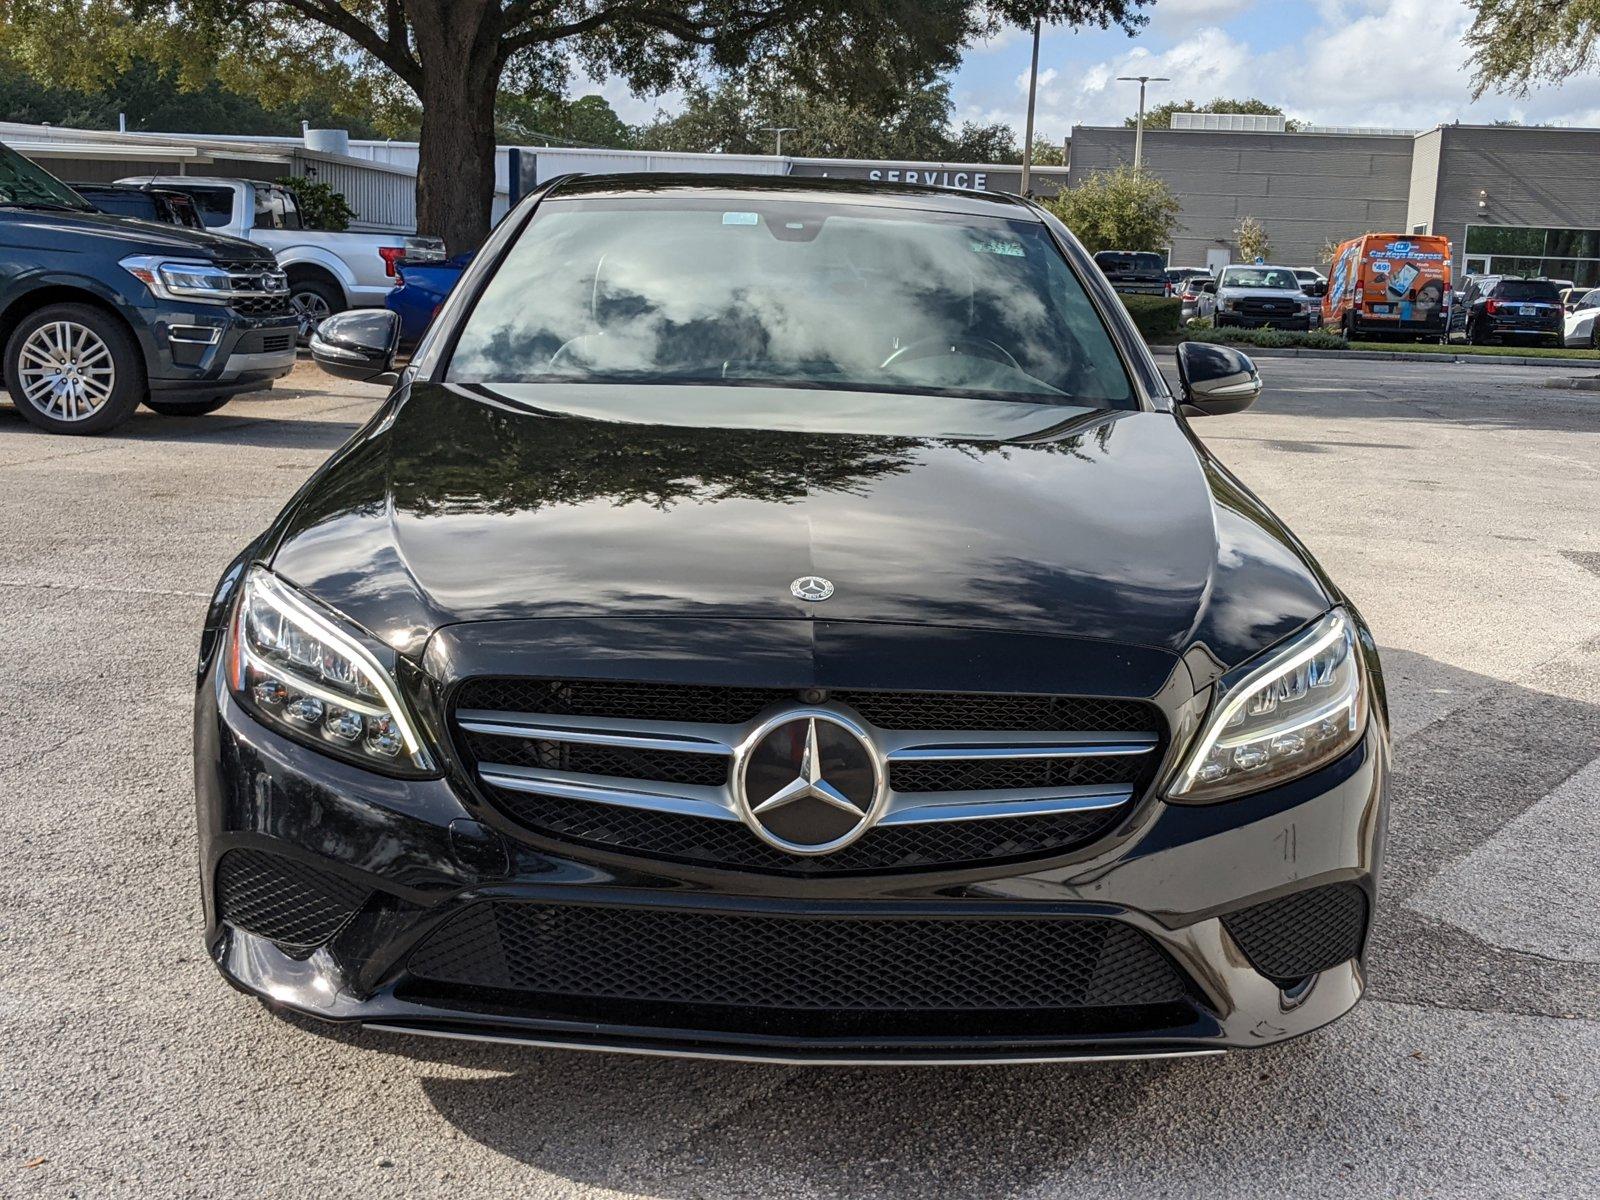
x=646 y=769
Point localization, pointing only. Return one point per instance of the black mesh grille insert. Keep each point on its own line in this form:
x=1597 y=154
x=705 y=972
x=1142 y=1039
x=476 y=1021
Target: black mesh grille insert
x=732 y=705
x=295 y=905
x=1295 y=936
x=977 y=773
x=798 y=963
x=730 y=844
x=668 y=766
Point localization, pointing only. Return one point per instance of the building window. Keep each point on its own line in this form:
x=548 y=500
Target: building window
x=1423 y=228
x=1522 y=250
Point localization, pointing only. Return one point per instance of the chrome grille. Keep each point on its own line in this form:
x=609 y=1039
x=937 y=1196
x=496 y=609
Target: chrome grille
x=645 y=768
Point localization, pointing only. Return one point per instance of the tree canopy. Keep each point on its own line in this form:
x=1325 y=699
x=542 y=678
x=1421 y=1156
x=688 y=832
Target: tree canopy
x=1160 y=117
x=456 y=57
x=1516 y=45
x=1121 y=209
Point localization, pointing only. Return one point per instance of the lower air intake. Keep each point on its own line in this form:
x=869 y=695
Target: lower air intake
x=1295 y=936
x=294 y=905
x=797 y=963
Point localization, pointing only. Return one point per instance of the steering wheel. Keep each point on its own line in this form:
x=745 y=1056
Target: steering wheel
x=939 y=344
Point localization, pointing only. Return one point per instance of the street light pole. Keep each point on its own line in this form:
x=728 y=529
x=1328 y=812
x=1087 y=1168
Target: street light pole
x=780 y=130
x=1033 y=90
x=1138 y=128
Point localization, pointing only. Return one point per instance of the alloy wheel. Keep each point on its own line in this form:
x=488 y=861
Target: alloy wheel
x=67 y=371
x=309 y=309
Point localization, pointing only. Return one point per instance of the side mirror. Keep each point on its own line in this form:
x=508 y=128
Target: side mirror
x=1216 y=380
x=1209 y=287
x=358 y=344
x=1318 y=289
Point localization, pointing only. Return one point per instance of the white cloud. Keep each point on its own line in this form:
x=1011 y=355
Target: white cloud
x=1381 y=63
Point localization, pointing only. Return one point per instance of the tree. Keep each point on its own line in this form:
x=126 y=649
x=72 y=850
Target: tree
x=1122 y=209
x=456 y=56
x=543 y=117
x=1160 y=117
x=736 y=115
x=1252 y=239
x=1517 y=44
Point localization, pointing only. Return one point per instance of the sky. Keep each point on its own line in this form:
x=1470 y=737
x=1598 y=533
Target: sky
x=1378 y=63
x=1382 y=63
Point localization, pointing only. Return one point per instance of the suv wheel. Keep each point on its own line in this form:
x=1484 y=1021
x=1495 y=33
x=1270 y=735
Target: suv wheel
x=71 y=368
x=312 y=300
x=1475 y=333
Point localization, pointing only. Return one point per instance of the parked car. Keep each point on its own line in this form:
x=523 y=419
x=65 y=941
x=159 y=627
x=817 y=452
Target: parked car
x=1135 y=271
x=1198 y=294
x=1264 y=295
x=1573 y=296
x=328 y=272
x=1178 y=276
x=621 y=684
x=1581 y=328
x=1509 y=308
x=146 y=203
x=1312 y=281
x=1388 y=285
x=419 y=290
x=99 y=313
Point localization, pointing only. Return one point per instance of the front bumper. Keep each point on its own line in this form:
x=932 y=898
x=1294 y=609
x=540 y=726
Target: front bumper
x=413 y=856
x=208 y=350
x=1244 y=321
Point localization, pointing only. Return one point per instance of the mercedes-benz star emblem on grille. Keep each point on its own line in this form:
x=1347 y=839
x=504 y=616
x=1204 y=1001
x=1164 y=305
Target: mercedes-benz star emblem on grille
x=811 y=587
x=809 y=782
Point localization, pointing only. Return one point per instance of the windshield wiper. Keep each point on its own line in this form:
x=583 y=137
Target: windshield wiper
x=45 y=205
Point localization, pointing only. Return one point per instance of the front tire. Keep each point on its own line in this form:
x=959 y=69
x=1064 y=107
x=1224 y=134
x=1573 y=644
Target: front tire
x=72 y=368
x=312 y=300
x=187 y=408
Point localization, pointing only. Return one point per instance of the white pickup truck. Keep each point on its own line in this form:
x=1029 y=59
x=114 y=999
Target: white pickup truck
x=328 y=272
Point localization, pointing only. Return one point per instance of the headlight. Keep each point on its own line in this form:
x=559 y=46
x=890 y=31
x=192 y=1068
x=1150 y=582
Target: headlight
x=181 y=279
x=1299 y=710
x=304 y=672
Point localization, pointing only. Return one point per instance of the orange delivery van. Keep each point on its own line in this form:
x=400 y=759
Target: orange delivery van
x=1389 y=283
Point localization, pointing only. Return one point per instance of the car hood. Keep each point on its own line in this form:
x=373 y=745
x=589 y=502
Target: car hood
x=1254 y=293
x=130 y=235
x=466 y=504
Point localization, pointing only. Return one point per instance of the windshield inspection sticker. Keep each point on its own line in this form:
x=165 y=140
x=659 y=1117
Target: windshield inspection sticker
x=733 y=218
x=1009 y=248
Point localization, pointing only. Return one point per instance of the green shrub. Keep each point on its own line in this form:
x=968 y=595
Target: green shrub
x=1156 y=316
x=321 y=207
x=1316 y=339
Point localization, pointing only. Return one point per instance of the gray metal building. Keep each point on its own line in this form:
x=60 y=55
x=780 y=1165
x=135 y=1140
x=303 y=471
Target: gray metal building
x=1511 y=199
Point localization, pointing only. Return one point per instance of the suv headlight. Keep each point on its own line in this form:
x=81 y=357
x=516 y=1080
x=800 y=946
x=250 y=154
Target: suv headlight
x=1298 y=710
x=309 y=674
x=180 y=279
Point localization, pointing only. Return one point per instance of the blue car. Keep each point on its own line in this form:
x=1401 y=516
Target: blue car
x=420 y=288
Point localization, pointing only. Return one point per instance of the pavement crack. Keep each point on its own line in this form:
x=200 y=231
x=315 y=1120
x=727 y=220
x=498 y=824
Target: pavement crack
x=99 y=587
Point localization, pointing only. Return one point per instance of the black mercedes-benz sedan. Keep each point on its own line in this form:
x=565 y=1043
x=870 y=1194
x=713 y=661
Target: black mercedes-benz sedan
x=789 y=620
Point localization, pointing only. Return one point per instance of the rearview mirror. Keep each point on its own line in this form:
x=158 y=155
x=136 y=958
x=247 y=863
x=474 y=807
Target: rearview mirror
x=1216 y=380
x=359 y=344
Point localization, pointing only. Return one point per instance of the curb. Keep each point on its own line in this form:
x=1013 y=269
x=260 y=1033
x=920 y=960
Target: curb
x=1504 y=360
x=1588 y=383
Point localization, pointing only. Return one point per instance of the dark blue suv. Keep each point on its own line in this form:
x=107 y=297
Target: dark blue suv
x=100 y=313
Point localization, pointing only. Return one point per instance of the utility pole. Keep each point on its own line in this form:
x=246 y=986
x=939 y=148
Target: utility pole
x=1033 y=89
x=1138 y=128
x=779 y=130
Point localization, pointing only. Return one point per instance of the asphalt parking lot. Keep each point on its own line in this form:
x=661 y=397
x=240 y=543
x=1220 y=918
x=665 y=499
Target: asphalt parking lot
x=1458 y=505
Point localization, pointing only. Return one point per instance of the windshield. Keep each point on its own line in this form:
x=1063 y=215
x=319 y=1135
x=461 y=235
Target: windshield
x=790 y=294
x=1116 y=260
x=21 y=182
x=1527 y=289
x=1260 y=277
